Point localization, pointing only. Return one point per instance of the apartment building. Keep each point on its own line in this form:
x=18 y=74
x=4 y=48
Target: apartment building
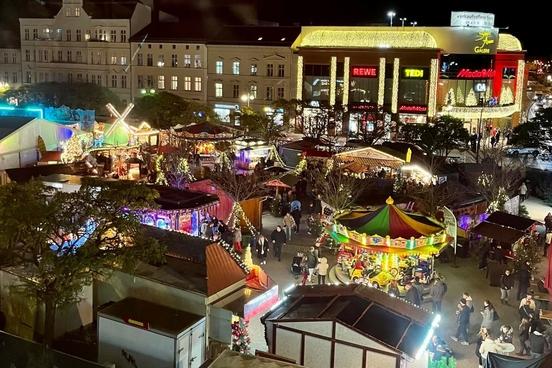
x=10 y=60
x=170 y=57
x=83 y=42
x=250 y=66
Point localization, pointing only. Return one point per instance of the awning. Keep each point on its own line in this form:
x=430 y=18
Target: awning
x=497 y=232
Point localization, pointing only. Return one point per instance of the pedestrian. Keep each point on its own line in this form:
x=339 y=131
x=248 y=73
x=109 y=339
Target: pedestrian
x=209 y=232
x=412 y=294
x=537 y=341
x=527 y=307
x=481 y=336
x=317 y=205
x=469 y=301
x=237 y=235
x=548 y=222
x=506 y=335
x=506 y=285
x=488 y=345
x=524 y=279
x=438 y=349
x=203 y=228
x=523 y=191
x=262 y=248
x=463 y=321
x=312 y=261
x=489 y=315
x=289 y=225
x=322 y=270
x=547 y=241
x=393 y=289
x=296 y=214
x=417 y=284
x=304 y=271
x=523 y=334
x=295 y=205
x=278 y=238
x=437 y=293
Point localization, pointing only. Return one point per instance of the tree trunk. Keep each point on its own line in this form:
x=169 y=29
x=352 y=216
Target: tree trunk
x=49 y=321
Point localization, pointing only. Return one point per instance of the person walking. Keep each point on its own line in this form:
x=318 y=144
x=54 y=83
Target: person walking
x=481 y=336
x=490 y=316
x=524 y=279
x=289 y=224
x=463 y=321
x=523 y=192
x=523 y=334
x=437 y=293
x=506 y=285
x=538 y=343
x=304 y=271
x=548 y=222
x=527 y=308
x=322 y=270
x=237 y=235
x=413 y=295
x=488 y=345
x=262 y=248
x=295 y=210
x=278 y=238
x=312 y=261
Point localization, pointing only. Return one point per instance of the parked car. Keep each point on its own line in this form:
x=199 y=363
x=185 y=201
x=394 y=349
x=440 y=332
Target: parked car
x=519 y=150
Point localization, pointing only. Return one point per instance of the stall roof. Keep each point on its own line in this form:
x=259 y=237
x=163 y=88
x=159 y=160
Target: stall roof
x=181 y=199
x=9 y=124
x=513 y=221
x=367 y=158
x=22 y=175
x=168 y=321
x=498 y=232
x=372 y=312
x=236 y=360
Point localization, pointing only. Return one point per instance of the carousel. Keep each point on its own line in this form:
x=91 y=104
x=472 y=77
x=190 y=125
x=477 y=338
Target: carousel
x=377 y=247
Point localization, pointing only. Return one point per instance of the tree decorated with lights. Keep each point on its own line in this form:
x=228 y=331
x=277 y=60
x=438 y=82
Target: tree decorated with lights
x=460 y=95
x=173 y=170
x=72 y=150
x=301 y=165
x=471 y=100
x=527 y=250
x=160 y=179
x=450 y=98
x=506 y=96
x=240 y=337
x=247 y=257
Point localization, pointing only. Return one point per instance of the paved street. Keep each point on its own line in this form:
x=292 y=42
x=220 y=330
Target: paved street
x=465 y=277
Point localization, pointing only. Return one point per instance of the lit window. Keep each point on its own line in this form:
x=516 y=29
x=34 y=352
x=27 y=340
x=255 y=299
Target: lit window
x=197 y=84
x=123 y=35
x=187 y=61
x=161 y=61
x=123 y=60
x=161 y=82
x=253 y=91
x=113 y=35
x=114 y=60
x=174 y=82
x=236 y=67
x=77 y=12
x=218 y=67
x=253 y=69
x=218 y=89
x=187 y=83
x=197 y=61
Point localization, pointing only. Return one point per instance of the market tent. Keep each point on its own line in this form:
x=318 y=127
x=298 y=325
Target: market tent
x=504 y=361
x=206 y=130
x=512 y=221
x=367 y=159
x=498 y=232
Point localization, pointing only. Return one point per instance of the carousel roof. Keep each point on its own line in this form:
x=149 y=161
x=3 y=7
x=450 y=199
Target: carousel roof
x=389 y=220
x=206 y=130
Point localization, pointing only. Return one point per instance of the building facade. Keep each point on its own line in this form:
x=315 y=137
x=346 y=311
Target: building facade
x=10 y=67
x=83 y=42
x=168 y=57
x=250 y=66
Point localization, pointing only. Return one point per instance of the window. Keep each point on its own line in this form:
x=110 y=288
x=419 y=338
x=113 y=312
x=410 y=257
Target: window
x=27 y=55
x=161 y=82
x=14 y=77
x=79 y=77
x=253 y=69
x=218 y=89
x=269 y=70
x=113 y=81
x=77 y=12
x=60 y=55
x=123 y=81
x=35 y=35
x=236 y=68
x=79 y=57
x=6 y=76
x=140 y=81
x=39 y=55
x=197 y=47
x=123 y=60
x=150 y=81
x=160 y=47
x=93 y=81
x=150 y=60
x=28 y=78
x=187 y=47
x=114 y=60
x=218 y=67
x=45 y=56
x=70 y=77
x=281 y=70
x=197 y=61
x=140 y=59
x=69 y=56
x=14 y=58
x=5 y=58
x=236 y=91
x=68 y=35
x=113 y=35
x=269 y=93
x=253 y=91
x=187 y=61
x=280 y=93
x=197 y=84
x=27 y=34
x=161 y=61
x=174 y=82
x=187 y=83
x=123 y=35
x=174 y=60
x=79 y=35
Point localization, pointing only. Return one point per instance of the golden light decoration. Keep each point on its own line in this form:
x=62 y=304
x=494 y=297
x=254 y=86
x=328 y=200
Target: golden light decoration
x=433 y=76
x=333 y=72
x=395 y=91
x=507 y=42
x=299 y=92
x=381 y=82
x=494 y=112
x=346 y=64
x=519 y=84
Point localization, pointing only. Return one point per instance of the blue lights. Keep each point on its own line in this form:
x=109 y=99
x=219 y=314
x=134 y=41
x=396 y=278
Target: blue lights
x=32 y=112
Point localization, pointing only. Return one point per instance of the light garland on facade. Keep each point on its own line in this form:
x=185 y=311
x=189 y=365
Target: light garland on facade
x=237 y=212
x=299 y=92
x=395 y=92
x=519 y=84
x=381 y=82
x=507 y=42
x=434 y=75
x=475 y=112
x=333 y=74
x=346 y=63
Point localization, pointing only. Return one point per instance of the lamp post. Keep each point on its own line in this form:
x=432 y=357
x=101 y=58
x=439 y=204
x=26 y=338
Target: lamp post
x=391 y=14
x=402 y=21
x=414 y=24
x=247 y=98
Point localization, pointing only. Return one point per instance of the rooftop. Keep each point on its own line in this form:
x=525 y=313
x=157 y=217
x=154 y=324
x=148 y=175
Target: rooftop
x=173 y=32
x=22 y=175
x=143 y=314
x=256 y=35
x=9 y=124
x=180 y=199
x=235 y=360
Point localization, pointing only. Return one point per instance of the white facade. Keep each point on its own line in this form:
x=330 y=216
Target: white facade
x=176 y=67
x=259 y=75
x=10 y=68
x=74 y=47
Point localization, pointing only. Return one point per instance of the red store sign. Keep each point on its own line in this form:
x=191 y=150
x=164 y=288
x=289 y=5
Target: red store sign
x=364 y=71
x=476 y=74
x=416 y=109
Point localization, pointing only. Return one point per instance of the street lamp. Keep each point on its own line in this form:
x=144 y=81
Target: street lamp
x=402 y=21
x=247 y=98
x=391 y=14
x=414 y=24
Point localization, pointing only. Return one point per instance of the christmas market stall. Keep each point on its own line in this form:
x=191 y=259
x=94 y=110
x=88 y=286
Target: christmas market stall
x=369 y=161
x=386 y=244
x=250 y=152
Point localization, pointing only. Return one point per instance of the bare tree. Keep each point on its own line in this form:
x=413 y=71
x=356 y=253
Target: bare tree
x=430 y=197
x=336 y=188
x=240 y=187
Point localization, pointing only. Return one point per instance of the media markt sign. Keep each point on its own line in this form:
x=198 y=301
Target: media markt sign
x=472 y=19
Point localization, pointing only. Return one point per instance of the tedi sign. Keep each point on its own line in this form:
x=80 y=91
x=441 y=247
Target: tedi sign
x=475 y=74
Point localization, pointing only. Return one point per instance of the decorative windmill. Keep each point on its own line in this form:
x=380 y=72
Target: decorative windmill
x=119 y=122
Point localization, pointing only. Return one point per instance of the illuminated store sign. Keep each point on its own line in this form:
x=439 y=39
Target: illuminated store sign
x=475 y=74
x=419 y=109
x=484 y=39
x=480 y=87
x=414 y=73
x=364 y=71
x=364 y=106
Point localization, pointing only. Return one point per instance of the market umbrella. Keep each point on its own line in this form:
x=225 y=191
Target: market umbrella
x=276 y=183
